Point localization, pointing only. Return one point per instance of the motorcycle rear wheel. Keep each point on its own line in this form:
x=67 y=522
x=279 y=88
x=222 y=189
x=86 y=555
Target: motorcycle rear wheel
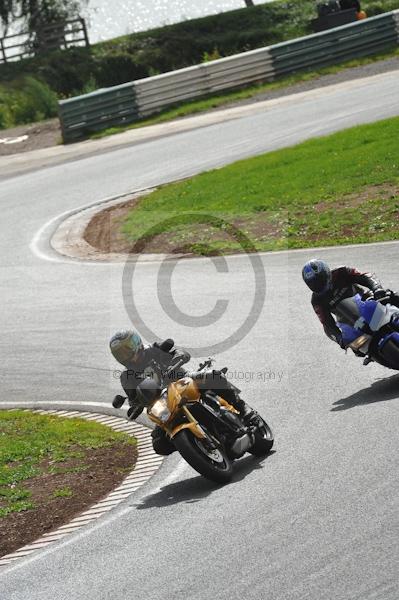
x=212 y=464
x=264 y=439
x=390 y=354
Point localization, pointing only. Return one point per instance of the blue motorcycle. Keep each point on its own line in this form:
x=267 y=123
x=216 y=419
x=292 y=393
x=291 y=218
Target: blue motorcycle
x=370 y=329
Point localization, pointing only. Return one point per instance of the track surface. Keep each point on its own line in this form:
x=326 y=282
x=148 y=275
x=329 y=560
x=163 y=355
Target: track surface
x=318 y=519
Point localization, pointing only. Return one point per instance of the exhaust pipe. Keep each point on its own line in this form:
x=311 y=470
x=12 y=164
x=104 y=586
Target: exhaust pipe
x=241 y=445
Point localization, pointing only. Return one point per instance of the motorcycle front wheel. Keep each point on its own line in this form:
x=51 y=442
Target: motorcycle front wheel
x=264 y=439
x=210 y=462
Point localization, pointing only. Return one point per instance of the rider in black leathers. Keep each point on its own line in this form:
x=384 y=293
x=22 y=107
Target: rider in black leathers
x=129 y=350
x=330 y=286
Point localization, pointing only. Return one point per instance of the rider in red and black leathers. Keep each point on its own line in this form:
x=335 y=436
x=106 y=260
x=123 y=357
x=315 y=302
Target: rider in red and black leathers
x=330 y=286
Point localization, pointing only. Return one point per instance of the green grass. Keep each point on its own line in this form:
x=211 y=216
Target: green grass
x=64 y=492
x=31 y=444
x=15 y=507
x=329 y=190
x=222 y=100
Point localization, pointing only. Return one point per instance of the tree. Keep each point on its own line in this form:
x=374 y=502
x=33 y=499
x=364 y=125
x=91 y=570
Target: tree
x=249 y=2
x=33 y=15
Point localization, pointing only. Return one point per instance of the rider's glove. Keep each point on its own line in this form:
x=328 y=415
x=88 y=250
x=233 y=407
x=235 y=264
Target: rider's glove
x=165 y=346
x=183 y=355
x=380 y=293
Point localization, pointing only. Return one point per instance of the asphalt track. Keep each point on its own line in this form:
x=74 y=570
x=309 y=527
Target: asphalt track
x=317 y=519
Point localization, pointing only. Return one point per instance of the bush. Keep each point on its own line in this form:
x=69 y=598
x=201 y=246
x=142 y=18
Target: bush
x=5 y=113
x=41 y=94
x=117 y=69
x=26 y=101
x=373 y=8
x=67 y=72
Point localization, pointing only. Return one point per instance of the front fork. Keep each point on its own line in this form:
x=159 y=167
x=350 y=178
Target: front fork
x=192 y=425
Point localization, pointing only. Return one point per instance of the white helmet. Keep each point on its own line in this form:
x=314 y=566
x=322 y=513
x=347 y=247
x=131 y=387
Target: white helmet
x=126 y=346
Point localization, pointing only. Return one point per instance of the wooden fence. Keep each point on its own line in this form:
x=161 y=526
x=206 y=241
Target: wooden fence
x=51 y=37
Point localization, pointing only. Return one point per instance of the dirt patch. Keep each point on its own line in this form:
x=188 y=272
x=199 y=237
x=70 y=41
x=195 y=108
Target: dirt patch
x=383 y=191
x=104 y=230
x=64 y=490
x=262 y=227
x=104 y=233
x=40 y=135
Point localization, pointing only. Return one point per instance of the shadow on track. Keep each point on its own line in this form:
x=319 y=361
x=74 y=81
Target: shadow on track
x=379 y=391
x=197 y=488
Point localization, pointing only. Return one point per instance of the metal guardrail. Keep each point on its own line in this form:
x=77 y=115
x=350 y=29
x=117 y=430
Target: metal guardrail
x=159 y=91
x=99 y=110
x=132 y=101
x=336 y=45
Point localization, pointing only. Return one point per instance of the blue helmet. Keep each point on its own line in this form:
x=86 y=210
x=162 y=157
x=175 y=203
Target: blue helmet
x=317 y=275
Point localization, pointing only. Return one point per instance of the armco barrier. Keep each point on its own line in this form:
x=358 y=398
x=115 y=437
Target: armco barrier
x=129 y=102
x=154 y=93
x=336 y=45
x=96 y=111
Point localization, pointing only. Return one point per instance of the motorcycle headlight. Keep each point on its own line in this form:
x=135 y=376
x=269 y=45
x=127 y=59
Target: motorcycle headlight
x=160 y=409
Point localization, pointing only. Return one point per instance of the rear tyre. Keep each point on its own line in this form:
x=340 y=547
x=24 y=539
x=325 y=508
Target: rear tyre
x=264 y=439
x=211 y=463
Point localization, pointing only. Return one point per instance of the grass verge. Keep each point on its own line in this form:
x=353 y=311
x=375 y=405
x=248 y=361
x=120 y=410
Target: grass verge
x=342 y=188
x=52 y=469
x=227 y=98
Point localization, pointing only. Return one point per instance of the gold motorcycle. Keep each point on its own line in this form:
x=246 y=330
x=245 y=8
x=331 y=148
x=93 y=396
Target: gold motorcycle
x=206 y=430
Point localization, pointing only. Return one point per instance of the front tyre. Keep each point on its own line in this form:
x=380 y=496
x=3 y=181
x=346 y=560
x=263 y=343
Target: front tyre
x=212 y=463
x=264 y=439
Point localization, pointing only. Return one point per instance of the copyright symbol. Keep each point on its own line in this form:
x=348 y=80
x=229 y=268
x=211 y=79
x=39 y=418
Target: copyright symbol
x=116 y=374
x=169 y=308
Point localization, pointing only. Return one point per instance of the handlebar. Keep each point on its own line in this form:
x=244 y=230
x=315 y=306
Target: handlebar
x=175 y=366
x=206 y=364
x=383 y=298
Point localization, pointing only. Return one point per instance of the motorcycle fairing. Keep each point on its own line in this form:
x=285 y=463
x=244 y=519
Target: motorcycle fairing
x=392 y=336
x=382 y=315
x=363 y=315
x=349 y=334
